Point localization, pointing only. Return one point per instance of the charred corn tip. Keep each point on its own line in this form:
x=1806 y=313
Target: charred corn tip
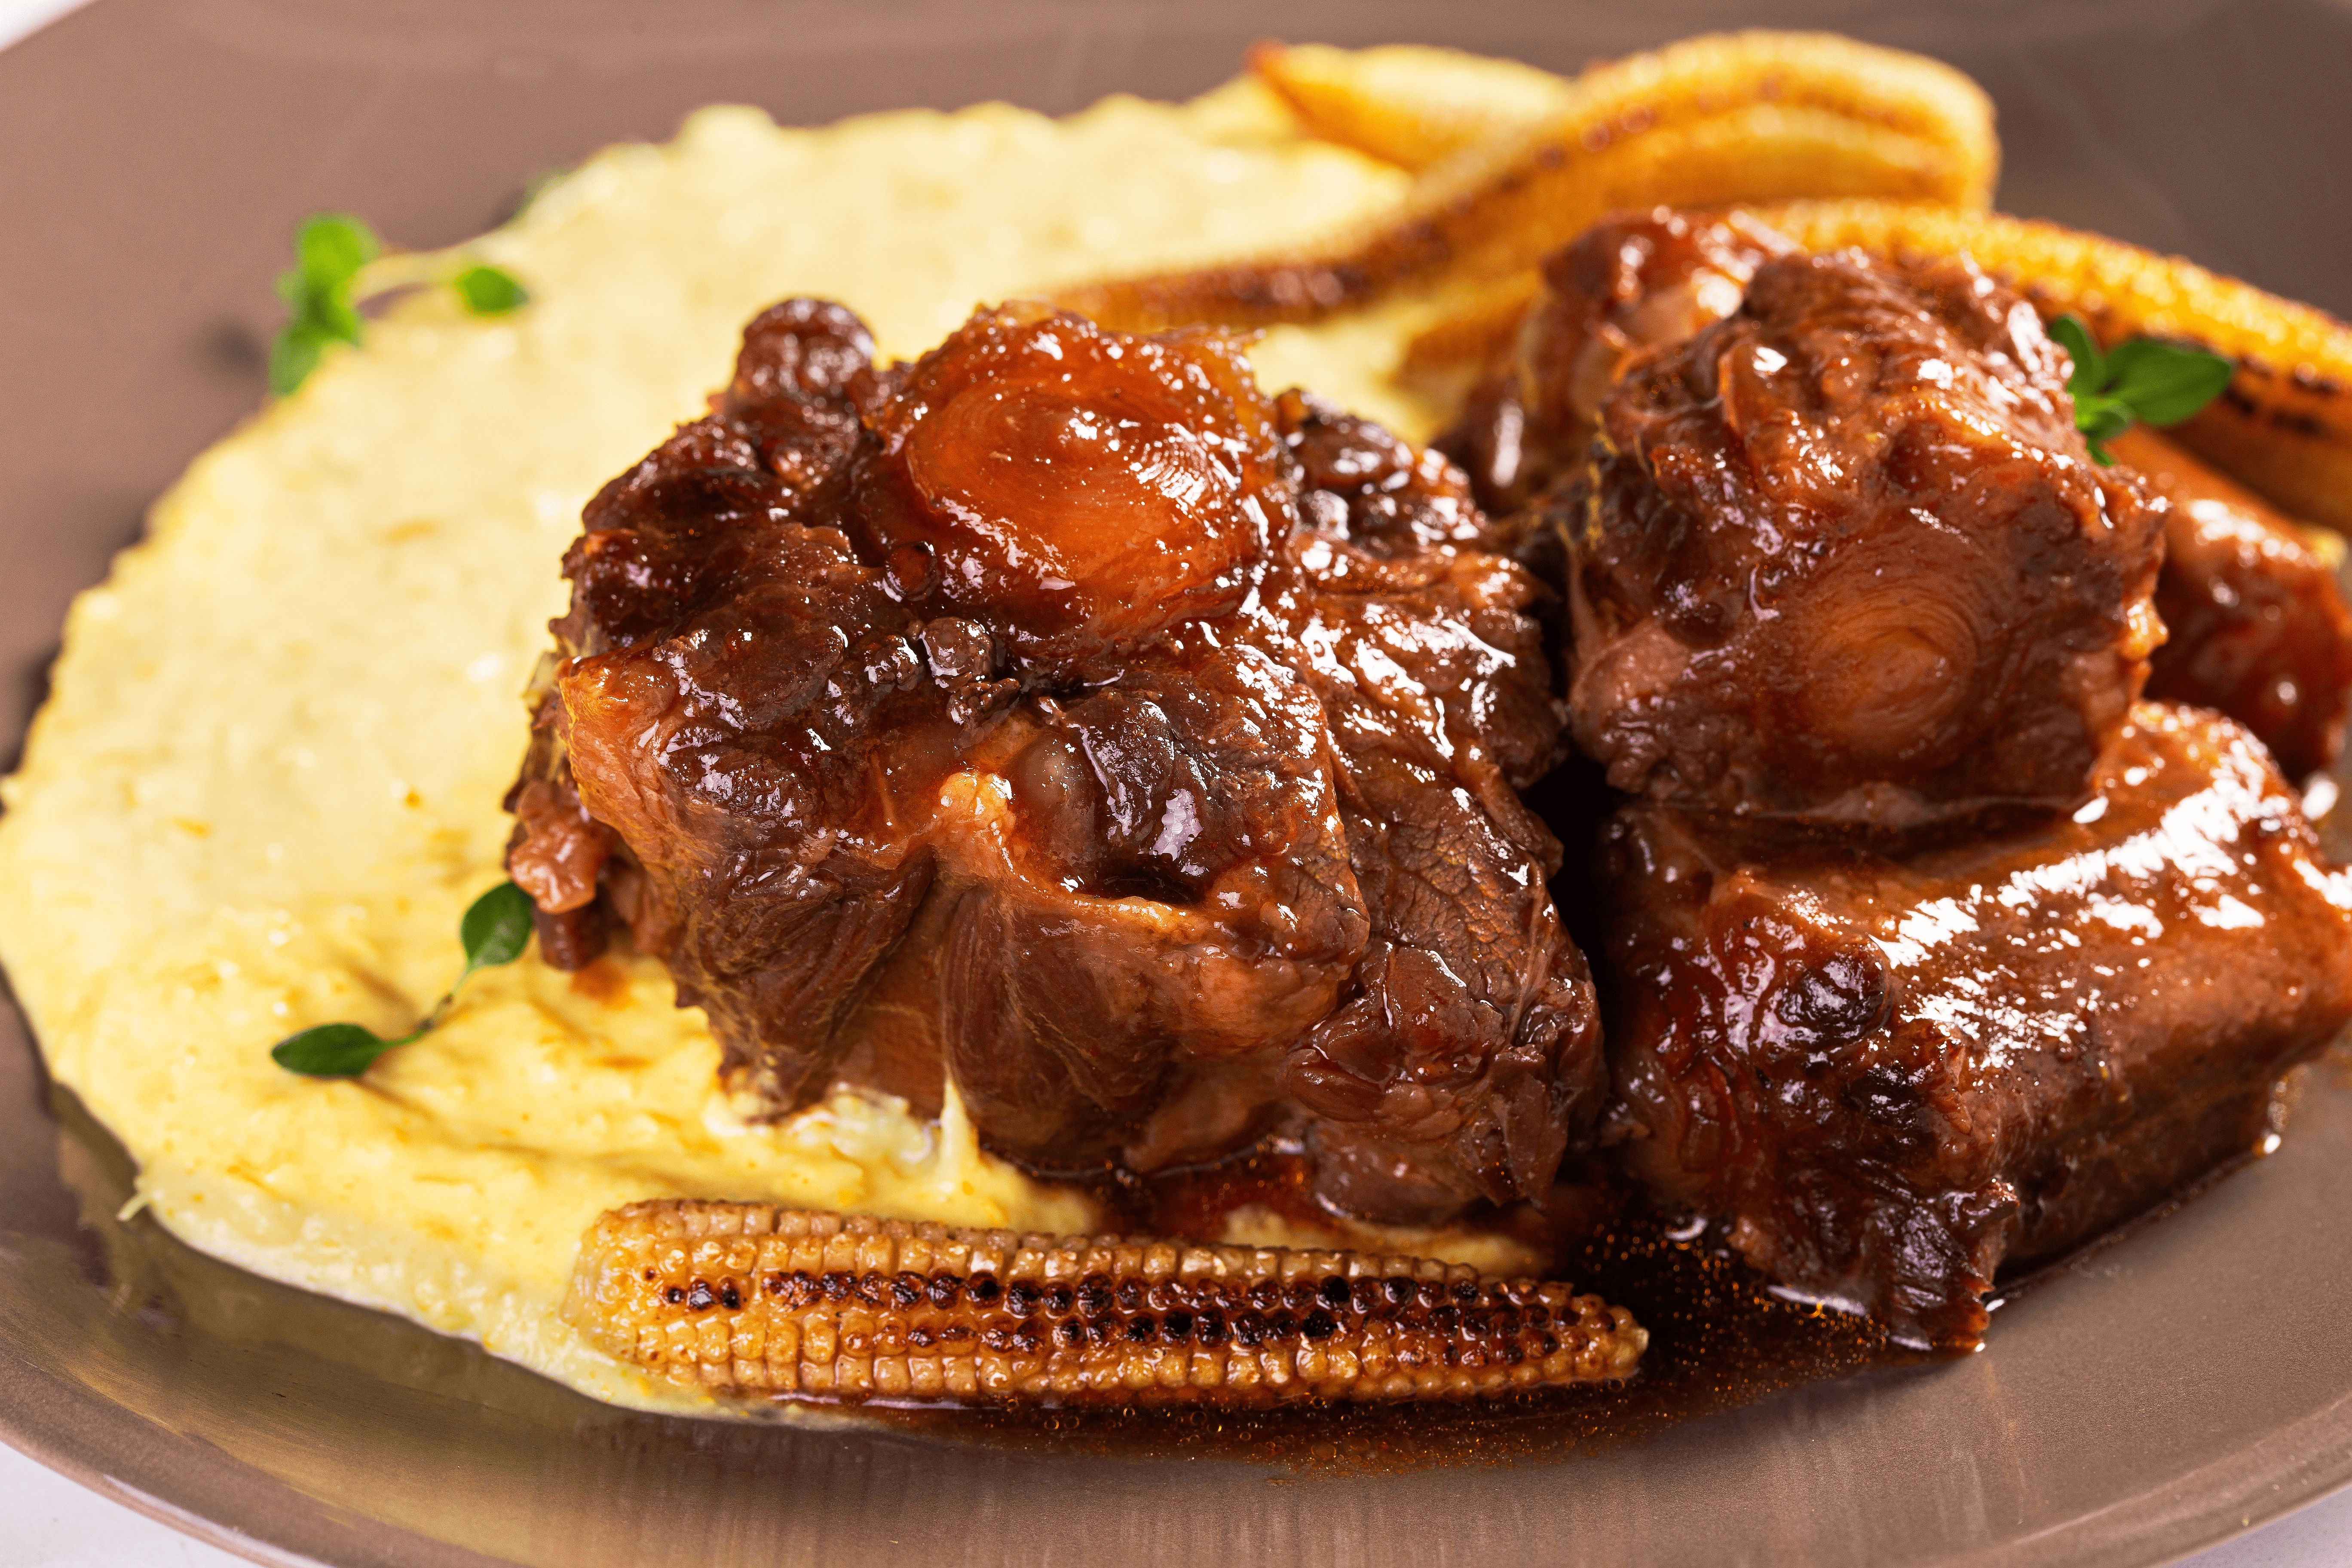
x=2285 y=427
x=745 y=1299
x=1408 y=104
x=1907 y=93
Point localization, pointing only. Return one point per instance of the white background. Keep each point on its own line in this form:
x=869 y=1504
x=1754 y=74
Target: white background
x=52 y=1522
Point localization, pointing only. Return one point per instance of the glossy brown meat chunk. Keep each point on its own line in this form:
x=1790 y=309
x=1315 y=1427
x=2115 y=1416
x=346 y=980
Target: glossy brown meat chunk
x=1631 y=281
x=1843 y=556
x=2254 y=616
x=1059 y=715
x=2255 y=622
x=1894 y=1076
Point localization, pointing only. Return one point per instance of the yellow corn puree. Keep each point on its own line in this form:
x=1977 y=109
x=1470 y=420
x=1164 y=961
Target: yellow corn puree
x=267 y=782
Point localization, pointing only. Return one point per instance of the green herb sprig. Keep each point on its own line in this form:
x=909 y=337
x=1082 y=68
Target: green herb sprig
x=2144 y=379
x=495 y=931
x=331 y=251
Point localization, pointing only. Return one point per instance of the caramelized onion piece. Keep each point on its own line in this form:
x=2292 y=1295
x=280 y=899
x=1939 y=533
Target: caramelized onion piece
x=1075 y=493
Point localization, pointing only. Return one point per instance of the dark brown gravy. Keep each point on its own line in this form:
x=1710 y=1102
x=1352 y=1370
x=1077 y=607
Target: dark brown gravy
x=1718 y=1340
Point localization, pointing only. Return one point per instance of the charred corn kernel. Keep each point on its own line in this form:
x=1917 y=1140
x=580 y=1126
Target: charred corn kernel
x=1731 y=117
x=1408 y=104
x=849 y=1308
x=2284 y=426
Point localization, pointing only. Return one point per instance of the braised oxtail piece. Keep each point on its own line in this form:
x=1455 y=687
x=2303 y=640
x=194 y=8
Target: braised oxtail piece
x=2284 y=428
x=2255 y=623
x=1059 y=716
x=1843 y=556
x=748 y=1299
x=1895 y=1075
x=2254 y=616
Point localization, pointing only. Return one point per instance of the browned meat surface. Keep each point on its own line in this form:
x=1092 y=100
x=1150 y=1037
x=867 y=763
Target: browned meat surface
x=1843 y=556
x=2256 y=620
x=1628 y=282
x=1061 y=715
x=1893 y=1076
x=2256 y=623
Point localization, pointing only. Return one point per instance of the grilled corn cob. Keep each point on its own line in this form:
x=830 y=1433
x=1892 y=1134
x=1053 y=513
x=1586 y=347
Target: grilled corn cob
x=744 y=1299
x=1730 y=116
x=1408 y=104
x=2284 y=426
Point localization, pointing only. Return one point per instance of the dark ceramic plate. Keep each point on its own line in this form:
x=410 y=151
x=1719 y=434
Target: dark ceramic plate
x=2172 y=1388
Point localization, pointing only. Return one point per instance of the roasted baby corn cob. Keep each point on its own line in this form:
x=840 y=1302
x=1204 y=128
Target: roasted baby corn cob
x=2285 y=427
x=1408 y=104
x=1731 y=117
x=745 y=1299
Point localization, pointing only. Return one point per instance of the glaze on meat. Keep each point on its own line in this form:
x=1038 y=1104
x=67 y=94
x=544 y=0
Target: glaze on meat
x=1922 y=961
x=1895 y=1074
x=1059 y=718
x=1631 y=281
x=1059 y=715
x=2255 y=619
x=1844 y=556
x=2256 y=623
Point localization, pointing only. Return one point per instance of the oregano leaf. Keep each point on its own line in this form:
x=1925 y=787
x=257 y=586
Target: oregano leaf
x=497 y=926
x=332 y=248
x=2090 y=366
x=330 y=251
x=2144 y=379
x=332 y=1050
x=495 y=930
x=293 y=356
x=2164 y=384
x=490 y=290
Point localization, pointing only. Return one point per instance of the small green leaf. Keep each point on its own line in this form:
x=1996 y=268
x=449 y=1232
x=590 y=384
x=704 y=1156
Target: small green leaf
x=332 y=1050
x=496 y=928
x=334 y=315
x=293 y=356
x=2090 y=366
x=2163 y=383
x=2101 y=420
x=329 y=251
x=490 y=290
x=332 y=248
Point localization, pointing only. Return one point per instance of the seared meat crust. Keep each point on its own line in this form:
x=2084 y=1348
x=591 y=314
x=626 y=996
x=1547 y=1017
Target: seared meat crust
x=1631 y=281
x=1843 y=556
x=1058 y=714
x=1894 y=1074
x=2255 y=622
